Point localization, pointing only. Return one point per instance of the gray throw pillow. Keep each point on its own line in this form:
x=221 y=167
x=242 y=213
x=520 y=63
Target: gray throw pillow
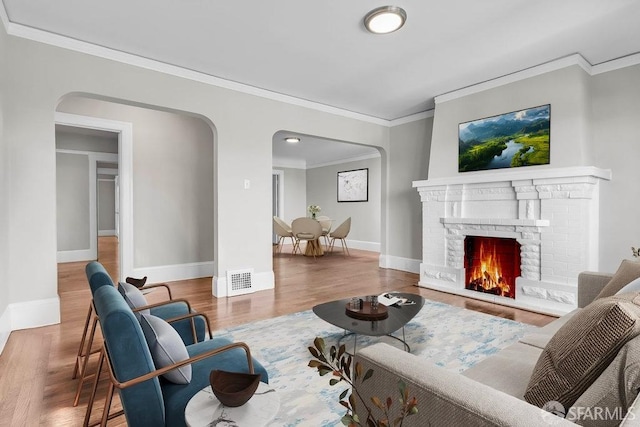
x=627 y=272
x=133 y=297
x=582 y=349
x=166 y=348
x=631 y=287
x=613 y=392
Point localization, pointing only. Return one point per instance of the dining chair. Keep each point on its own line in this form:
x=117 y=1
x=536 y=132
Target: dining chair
x=325 y=223
x=341 y=233
x=307 y=229
x=282 y=230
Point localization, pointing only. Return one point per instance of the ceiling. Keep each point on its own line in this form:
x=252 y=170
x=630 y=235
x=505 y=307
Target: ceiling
x=315 y=152
x=319 y=51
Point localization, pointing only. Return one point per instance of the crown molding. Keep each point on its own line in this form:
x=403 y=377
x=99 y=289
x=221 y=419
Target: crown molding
x=347 y=160
x=18 y=30
x=567 y=61
x=616 y=64
x=289 y=163
x=412 y=118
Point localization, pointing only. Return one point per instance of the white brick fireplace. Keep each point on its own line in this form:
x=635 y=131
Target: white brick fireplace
x=552 y=213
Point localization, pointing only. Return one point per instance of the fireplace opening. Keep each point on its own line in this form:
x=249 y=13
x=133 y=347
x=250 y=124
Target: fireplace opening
x=491 y=265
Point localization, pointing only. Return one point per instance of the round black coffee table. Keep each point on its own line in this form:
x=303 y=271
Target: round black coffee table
x=335 y=312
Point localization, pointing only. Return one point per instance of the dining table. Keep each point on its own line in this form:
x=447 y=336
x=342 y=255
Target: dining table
x=314 y=247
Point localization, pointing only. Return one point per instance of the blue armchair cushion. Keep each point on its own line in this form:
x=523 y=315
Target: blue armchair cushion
x=97 y=276
x=130 y=358
x=166 y=348
x=133 y=297
x=176 y=396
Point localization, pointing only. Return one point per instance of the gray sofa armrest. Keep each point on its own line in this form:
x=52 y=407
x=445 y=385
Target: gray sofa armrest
x=444 y=398
x=590 y=283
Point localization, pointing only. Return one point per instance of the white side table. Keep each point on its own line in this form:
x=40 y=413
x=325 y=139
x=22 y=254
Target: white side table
x=204 y=409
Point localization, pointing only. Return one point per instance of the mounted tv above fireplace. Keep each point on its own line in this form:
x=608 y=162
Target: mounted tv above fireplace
x=519 y=138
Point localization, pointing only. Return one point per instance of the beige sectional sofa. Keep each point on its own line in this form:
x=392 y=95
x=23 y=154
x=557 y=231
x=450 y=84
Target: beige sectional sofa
x=491 y=393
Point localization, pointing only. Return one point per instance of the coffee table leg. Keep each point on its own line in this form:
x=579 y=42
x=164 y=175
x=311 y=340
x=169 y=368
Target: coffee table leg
x=355 y=339
x=403 y=340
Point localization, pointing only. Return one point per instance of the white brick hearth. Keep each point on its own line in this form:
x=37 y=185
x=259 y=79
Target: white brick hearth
x=552 y=213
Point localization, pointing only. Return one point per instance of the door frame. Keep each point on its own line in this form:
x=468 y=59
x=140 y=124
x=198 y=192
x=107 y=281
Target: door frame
x=125 y=167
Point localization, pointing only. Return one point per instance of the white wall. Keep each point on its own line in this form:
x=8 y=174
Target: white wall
x=365 y=216
x=172 y=182
x=41 y=75
x=80 y=142
x=594 y=122
x=73 y=204
x=77 y=191
x=106 y=206
x=615 y=136
x=409 y=159
x=5 y=317
x=565 y=89
x=295 y=193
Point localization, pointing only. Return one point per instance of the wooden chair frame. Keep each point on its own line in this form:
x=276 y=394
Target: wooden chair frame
x=345 y=249
x=114 y=383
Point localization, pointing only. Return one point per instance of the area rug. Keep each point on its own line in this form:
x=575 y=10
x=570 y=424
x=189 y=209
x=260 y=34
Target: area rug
x=451 y=337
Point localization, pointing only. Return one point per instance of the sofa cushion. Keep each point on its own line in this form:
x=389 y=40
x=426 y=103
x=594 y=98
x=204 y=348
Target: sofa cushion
x=133 y=297
x=581 y=349
x=627 y=272
x=540 y=337
x=613 y=391
x=166 y=348
x=508 y=370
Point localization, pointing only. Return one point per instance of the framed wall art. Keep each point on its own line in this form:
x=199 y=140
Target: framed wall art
x=353 y=185
x=519 y=138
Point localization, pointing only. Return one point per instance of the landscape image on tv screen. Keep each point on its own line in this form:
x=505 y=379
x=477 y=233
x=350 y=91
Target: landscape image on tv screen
x=519 y=138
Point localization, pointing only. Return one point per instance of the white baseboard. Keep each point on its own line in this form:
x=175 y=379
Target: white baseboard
x=106 y=232
x=32 y=314
x=5 y=327
x=360 y=244
x=75 y=256
x=170 y=273
x=399 y=263
x=261 y=282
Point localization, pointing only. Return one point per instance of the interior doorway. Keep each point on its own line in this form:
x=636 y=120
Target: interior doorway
x=277 y=201
x=122 y=158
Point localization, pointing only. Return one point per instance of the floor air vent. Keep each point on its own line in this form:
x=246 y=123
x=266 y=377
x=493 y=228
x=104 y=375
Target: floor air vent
x=239 y=282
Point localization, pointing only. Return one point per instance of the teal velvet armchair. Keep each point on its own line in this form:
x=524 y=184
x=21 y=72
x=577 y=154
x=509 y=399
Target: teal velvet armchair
x=148 y=399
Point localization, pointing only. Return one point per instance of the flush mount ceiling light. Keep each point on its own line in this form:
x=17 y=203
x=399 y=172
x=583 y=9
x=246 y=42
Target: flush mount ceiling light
x=292 y=139
x=385 y=19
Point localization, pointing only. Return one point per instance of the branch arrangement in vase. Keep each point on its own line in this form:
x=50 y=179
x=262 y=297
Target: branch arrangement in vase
x=338 y=363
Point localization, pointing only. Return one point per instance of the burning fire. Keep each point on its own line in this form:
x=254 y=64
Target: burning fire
x=487 y=274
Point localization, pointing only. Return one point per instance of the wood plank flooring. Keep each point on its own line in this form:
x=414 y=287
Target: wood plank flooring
x=36 y=365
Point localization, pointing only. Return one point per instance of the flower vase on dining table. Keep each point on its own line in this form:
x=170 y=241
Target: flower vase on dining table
x=313 y=215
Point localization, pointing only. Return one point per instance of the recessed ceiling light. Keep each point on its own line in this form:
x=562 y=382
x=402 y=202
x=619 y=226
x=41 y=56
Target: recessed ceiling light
x=292 y=139
x=385 y=19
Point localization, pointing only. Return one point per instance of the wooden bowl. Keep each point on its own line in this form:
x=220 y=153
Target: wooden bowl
x=233 y=388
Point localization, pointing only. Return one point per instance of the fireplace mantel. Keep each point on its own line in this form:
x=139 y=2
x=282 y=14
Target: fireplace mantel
x=552 y=212
x=531 y=173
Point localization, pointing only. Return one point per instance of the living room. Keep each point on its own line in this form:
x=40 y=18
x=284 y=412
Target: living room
x=594 y=123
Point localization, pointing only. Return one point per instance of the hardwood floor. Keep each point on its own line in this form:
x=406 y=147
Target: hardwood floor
x=36 y=365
